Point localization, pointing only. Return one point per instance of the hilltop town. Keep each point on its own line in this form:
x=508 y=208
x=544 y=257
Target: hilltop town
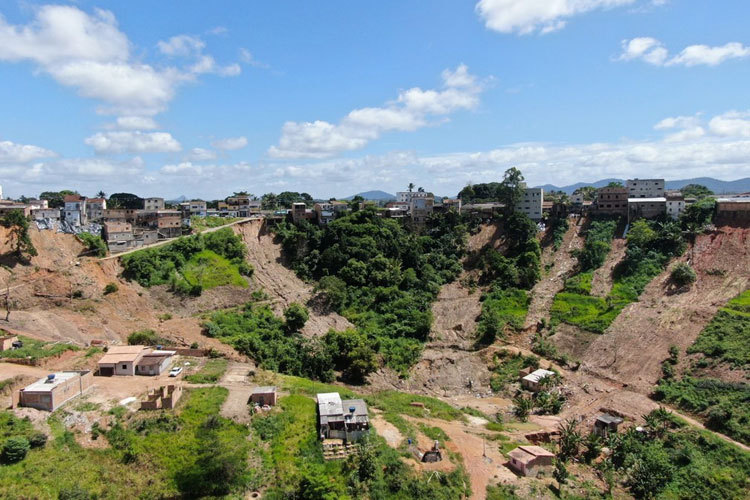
x=504 y=343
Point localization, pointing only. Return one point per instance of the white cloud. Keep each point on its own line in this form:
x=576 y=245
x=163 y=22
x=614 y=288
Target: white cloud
x=524 y=17
x=11 y=152
x=410 y=111
x=133 y=142
x=230 y=143
x=200 y=174
x=247 y=57
x=201 y=154
x=688 y=128
x=652 y=51
x=731 y=124
x=181 y=45
x=89 y=53
x=136 y=122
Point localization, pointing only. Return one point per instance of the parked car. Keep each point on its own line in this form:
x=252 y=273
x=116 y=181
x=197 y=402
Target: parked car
x=175 y=371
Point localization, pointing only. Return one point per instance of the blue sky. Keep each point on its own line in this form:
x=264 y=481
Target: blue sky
x=332 y=98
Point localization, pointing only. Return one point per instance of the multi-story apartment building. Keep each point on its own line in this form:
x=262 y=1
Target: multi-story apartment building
x=153 y=204
x=95 y=208
x=645 y=188
x=646 y=208
x=531 y=203
x=675 y=204
x=75 y=209
x=612 y=201
x=421 y=207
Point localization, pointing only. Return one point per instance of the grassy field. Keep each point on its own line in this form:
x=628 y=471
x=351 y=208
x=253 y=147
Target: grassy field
x=725 y=338
x=210 y=373
x=210 y=270
x=37 y=349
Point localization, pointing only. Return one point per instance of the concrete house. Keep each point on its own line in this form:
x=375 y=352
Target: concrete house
x=533 y=379
x=612 y=201
x=74 y=211
x=45 y=213
x=342 y=419
x=118 y=235
x=264 y=396
x=646 y=208
x=6 y=341
x=531 y=460
x=645 y=188
x=675 y=204
x=531 y=203
x=301 y=212
x=121 y=360
x=606 y=424
x=153 y=204
x=6 y=208
x=164 y=397
x=737 y=207
x=154 y=362
x=95 y=208
x=51 y=392
x=421 y=206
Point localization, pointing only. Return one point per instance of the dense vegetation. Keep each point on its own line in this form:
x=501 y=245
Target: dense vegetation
x=199 y=224
x=18 y=235
x=651 y=245
x=96 y=245
x=378 y=275
x=726 y=337
x=192 y=264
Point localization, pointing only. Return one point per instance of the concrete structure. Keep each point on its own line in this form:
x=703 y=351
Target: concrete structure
x=165 y=397
x=6 y=342
x=452 y=204
x=51 y=392
x=301 y=212
x=121 y=360
x=737 y=207
x=646 y=208
x=675 y=204
x=645 y=188
x=606 y=424
x=612 y=201
x=264 y=396
x=194 y=208
x=421 y=206
x=74 y=211
x=6 y=208
x=533 y=379
x=154 y=362
x=531 y=460
x=95 y=208
x=324 y=212
x=118 y=235
x=531 y=203
x=483 y=210
x=45 y=213
x=37 y=204
x=346 y=420
x=153 y=204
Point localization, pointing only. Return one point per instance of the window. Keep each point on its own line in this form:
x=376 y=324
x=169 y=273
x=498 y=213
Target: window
x=124 y=367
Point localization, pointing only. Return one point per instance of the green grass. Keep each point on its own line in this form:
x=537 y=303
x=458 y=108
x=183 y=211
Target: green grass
x=210 y=373
x=37 y=349
x=210 y=270
x=506 y=368
x=580 y=283
x=585 y=311
x=726 y=337
x=203 y=223
x=434 y=433
x=400 y=403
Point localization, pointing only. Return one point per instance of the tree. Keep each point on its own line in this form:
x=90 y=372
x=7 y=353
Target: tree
x=560 y=474
x=101 y=194
x=570 y=439
x=651 y=471
x=593 y=447
x=522 y=407
x=641 y=233
x=55 y=199
x=420 y=189
x=696 y=191
x=614 y=184
x=511 y=189
x=682 y=274
x=410 y=186
x=296 y=316
x=126 y=200
x=18 y=237
x=15 y=449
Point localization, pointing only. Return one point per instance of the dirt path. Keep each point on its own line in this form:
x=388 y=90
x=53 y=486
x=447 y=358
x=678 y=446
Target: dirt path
x=387 y=431
x=235 y=380
x=553 y=281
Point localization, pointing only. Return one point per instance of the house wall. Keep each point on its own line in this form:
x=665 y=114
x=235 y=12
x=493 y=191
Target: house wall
x=264 y=399
x=531 y=203
x=6 y=343
x=645 y=188
x=733 y=209
x=648 y=210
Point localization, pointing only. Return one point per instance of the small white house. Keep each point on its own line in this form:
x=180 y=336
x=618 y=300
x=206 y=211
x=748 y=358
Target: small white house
x=533 y=379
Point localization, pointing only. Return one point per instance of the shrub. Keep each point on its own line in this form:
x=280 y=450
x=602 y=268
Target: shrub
x=96 y=245
x=682 y=274
x=296 y=316
x=15 y=449
x=146 y=337
x=110 y=288
x=38 y=440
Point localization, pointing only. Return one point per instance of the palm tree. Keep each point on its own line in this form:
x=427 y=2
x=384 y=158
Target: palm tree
x=570 y=439
x=101 y=194
x=420 y=189
x=410 y=186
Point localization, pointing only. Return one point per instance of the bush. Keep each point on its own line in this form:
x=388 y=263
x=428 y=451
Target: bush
x=110 y=288
x=682 y=274
x=296 y=316
x=96 y=245
x=146 y=337
x=15 y=449
x=38 y=440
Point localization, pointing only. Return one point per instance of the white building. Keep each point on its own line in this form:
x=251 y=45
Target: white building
x=645 y=188
x=675 y=204
x=533 y=379
x=531 y=203
x=153 y=204
x=407 y=196
x=75 y=209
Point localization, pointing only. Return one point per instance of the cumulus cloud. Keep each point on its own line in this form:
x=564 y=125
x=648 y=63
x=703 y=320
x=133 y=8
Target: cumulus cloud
x=133 y=142
x=731 y=124
x=524 y=17
x=89 y=53
x=11 y=152
x=411 y=110
x=652 y=51
x=201 y=154
x=230 y=143
x=136 y=122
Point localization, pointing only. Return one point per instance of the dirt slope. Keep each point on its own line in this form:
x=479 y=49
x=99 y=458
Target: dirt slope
x=632 y=349
x=280 y=282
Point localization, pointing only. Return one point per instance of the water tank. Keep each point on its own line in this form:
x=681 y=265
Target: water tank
x=352 y=409
x=50 y=378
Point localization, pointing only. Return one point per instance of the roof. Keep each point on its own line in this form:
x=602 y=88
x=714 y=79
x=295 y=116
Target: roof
x=118 y=354
x=42 y=385
x=526 y=454
x=96 y=200
x=150 y=361
x=609 y=419
x=538 y=375
x=660 y=199
x=264 y=389
x=734 y=199
x=329 y=403
x=69 y=198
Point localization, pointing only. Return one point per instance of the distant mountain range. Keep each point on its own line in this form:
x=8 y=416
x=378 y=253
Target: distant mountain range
x=715 y=185
x=373 y=195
